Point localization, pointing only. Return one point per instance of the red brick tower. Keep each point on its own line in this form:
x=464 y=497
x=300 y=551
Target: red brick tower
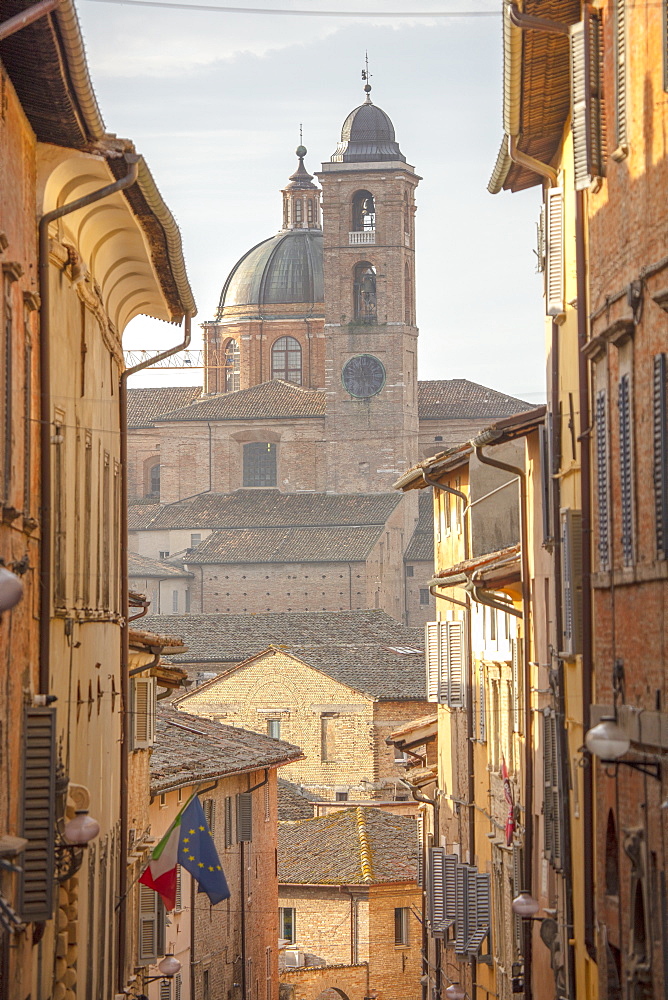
x=370 y=332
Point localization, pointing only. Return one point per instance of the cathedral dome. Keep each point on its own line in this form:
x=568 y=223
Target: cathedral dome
x=367 y=136
x=286 y=268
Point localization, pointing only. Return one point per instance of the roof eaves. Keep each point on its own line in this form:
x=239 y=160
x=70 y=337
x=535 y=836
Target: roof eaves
x=77 y=68
x=445 y=461
x=510 y=428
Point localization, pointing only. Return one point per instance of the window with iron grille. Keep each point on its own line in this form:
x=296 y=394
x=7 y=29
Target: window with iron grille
x=661 y=454
x=602 y=480
x=626 y=467
x=259 y=464
x=286 y=360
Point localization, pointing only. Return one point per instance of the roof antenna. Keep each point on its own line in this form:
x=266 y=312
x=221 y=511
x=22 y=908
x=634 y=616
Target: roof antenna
x=366 y=76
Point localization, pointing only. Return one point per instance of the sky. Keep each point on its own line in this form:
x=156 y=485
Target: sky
x=214 y=102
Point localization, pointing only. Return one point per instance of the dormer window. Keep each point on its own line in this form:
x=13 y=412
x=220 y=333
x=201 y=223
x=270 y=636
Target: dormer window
x=364 y=212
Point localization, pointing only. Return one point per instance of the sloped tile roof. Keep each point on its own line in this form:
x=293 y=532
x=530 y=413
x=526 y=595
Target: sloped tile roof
x=287 y=545
x=269 y=400
x=294 y=803
x=361 y=846
x=146 y=405
x=189 y=748
x=145 y=568
x=377 y=670
x=140 y=515
x=459 y=399
x=230 y=638
x=251 y=508
x=421 y=545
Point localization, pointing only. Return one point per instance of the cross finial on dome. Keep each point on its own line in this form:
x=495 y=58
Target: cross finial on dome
x=366 y=76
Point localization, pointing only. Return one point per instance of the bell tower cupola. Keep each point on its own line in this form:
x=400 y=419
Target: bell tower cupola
x=301 y=198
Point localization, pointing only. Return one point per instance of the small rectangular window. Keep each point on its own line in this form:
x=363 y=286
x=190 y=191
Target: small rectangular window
x=341 y=796
x=164 y=555
x=175 y=601
x=206 y=990
x=195 y=539
x=400 y=756
x=401 y=925
x=328 y=736
x=188 y=601
x=287 y=924
x=409 y=570
x=274 y=728
x=424 y=595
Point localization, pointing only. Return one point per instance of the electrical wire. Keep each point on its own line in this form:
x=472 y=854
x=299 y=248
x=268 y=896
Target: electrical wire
x=214 y=8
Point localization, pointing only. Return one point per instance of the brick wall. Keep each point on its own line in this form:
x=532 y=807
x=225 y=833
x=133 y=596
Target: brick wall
x=285 y=587
x=307 y=984
x=394 y=969
x=323 y=919
x=143 y=450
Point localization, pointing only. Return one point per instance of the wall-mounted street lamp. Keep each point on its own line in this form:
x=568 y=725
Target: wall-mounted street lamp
x=77 y=834
x=525 y=905
x=168 y=967
x=609 y=742
x=455 y=991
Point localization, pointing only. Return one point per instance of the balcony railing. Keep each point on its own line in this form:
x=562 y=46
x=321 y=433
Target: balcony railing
x=365 y=237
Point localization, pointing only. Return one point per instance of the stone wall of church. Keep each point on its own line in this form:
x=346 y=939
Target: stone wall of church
x=143 y=454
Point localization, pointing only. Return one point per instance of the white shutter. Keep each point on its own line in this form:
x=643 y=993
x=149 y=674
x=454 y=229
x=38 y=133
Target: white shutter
x=586 y=100
x=554 y=262
x=178 y=983
x=456 y=661
x=483 y=708
x=518 y=685
x=143 y=712
x=165 y=989
x=620 y=52
x=450 y=864
x=461 y=905
x=436 y=888
x=148 y=924
x=431 y=645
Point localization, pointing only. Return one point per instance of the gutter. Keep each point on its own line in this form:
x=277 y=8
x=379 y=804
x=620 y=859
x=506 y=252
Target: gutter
x=477 y=444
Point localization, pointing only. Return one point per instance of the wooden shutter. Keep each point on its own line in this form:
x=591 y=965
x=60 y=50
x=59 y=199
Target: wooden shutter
x=38 y=820
x=450 y=865
x=518 y=683
x=586 y=99
x=545 y=483
x=602 y=481
x=540 y=241
x=571 y=580
x=436 y=888
x=626 y=467
x=483 y=710
x=661 y=454
x=420 y=849
x=456 y=663
x=431 y=645
x=552 y=803
x=148 y=924
x=461 y=904
x=229 y=833
x=471 y=902
x=554 y=261
x=244 y=817
x=481 y=923
x=620 y=52
x=143 y=712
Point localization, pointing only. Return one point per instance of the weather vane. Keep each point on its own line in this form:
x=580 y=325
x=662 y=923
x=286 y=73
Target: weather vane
x=366 y=76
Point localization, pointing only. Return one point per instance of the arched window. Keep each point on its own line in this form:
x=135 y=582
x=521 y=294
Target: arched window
x=232 y=360
x=259 y=464
x=364 y=212
x=298 y=210
x=152 y=477
x=309 y=211
x=286 y=360
x=408 y=295
x=611 y=858
x=365 y=293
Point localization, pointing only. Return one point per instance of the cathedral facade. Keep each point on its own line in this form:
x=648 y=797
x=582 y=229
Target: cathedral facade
x=310 y=386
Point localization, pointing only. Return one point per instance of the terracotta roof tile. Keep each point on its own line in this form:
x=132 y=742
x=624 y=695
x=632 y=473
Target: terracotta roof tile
x=251 y=508
x=459 y=399
x=286 y=545
x=421 y=545
x=230 y=638
x=293 y=802
x=146 y=405
x=145 y=568
x=362 y=846
x=377 y=670
x=140 y=515
x=269 y=400
x=189 y=748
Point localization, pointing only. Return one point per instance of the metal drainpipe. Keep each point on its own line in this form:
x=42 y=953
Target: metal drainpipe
x=125 y=639
x=45 y=571
x=528 y=715
x=585 y=480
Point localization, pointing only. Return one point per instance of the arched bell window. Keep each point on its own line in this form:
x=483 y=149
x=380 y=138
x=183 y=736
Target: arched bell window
x=364 y=212
x=365 y=293
x=232 y=366
x=286 y=360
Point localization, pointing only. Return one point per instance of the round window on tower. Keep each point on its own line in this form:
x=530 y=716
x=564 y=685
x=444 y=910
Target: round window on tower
x=363 y=376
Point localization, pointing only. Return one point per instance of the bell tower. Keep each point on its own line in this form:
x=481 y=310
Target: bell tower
x=369 y=285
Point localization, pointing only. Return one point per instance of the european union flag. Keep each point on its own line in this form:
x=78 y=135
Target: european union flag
x=198 y=854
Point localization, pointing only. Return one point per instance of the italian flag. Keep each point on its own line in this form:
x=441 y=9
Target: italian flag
x=160 y=875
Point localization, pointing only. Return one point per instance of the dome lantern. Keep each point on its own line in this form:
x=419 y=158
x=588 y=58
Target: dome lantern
x=301 y=198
